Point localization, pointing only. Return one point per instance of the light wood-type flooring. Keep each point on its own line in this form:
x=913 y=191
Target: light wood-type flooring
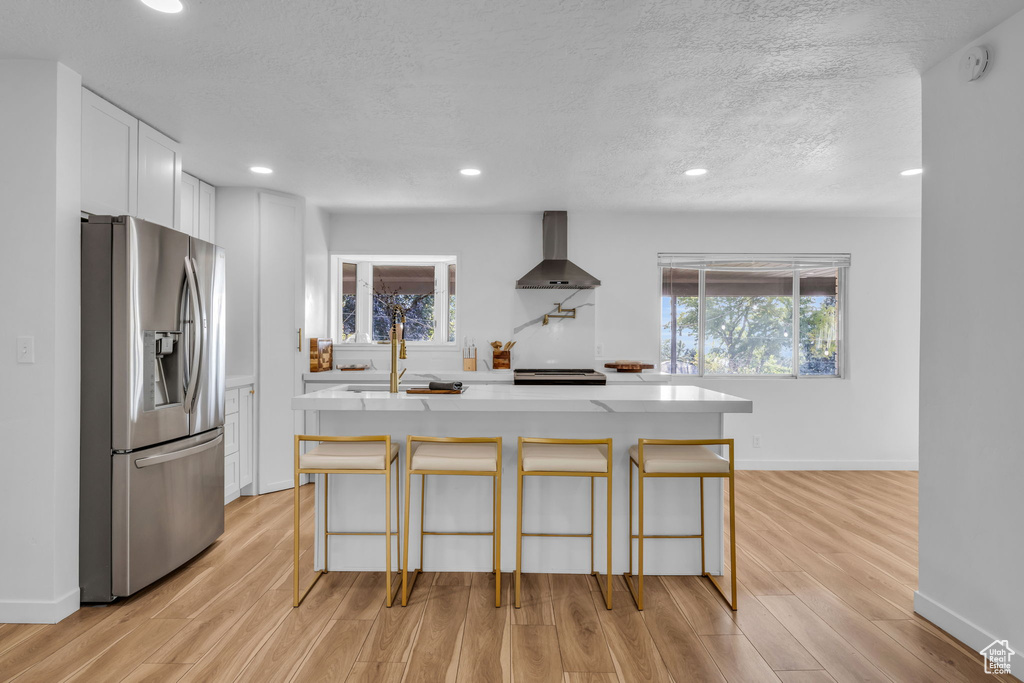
x=827 y=567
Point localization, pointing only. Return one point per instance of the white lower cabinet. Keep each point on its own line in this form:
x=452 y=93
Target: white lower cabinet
x=238 y=455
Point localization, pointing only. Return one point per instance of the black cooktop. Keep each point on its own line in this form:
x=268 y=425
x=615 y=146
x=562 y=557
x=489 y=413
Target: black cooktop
x=583 y=376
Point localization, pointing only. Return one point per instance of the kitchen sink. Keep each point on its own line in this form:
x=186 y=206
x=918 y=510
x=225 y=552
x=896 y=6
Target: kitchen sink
x=360 y=388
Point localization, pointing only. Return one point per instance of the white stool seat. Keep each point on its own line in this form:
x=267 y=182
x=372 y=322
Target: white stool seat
x=346 y=455
x=562 y=457
x=679 y=459
x=461 y=457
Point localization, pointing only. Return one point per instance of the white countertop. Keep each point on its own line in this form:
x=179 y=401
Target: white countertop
x=235 y=381
x=511 y=398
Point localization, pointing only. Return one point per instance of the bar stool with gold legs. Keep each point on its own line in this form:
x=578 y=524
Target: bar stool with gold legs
x=566 y=458
x=474 y=456
x=679 y=458
x=349 y=455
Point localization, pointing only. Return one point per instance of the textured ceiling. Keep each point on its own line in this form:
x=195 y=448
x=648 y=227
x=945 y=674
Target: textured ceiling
x=797 y=105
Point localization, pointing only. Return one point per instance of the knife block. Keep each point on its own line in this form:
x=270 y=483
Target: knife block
x=502 y=360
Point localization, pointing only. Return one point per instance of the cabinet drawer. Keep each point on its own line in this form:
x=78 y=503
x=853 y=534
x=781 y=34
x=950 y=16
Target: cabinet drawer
x=231 y=434
x=230 y=401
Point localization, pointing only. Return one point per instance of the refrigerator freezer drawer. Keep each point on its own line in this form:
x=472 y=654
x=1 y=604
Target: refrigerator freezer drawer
x=168 y=507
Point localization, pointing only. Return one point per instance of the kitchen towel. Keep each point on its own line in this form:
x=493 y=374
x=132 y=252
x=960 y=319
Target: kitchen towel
x=445 y=386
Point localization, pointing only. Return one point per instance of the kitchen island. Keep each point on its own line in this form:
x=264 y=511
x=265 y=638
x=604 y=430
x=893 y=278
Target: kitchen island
x=555 y=504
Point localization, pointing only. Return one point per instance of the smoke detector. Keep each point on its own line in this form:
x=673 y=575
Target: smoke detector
x=974 y=63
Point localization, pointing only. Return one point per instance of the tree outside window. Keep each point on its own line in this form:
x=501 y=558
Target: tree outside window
x=736 y=318
x=369 y=289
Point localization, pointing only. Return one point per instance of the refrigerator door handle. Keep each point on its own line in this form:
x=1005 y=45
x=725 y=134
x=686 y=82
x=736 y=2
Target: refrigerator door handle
x=178 y=455
x=201 y=329
x=196 y=346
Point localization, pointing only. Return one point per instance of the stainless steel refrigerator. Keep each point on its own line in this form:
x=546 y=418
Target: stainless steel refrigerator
x=152 y=461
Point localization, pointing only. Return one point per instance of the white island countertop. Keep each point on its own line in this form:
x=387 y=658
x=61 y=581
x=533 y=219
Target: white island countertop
x=512 y=398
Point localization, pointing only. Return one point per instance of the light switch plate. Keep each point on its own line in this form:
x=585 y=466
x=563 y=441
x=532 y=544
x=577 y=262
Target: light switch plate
x=26 y=350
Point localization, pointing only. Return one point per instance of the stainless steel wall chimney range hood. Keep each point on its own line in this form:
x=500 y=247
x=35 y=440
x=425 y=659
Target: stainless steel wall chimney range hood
x=556 y=271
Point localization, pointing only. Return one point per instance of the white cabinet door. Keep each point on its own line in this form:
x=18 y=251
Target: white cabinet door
x=110 y=140
x=207 y=212
x=231 y=434
x=245 y=440
x=159 y=177
x=231 y=488
x=280 y=344
x=189 y=222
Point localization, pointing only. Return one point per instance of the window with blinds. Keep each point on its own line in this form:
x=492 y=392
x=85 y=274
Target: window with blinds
x=367 y=289
x=773 y=315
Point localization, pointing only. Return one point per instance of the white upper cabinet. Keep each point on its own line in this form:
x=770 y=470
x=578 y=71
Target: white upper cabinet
x=159 y=177
x=189 y=212
x=128 y=167
x=207 y=212
x=110 y=143
x=198 y=207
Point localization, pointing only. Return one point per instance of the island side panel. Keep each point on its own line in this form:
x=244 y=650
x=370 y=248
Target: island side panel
x=551 y=504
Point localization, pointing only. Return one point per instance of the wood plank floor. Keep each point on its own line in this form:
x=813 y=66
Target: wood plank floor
x=827 y=569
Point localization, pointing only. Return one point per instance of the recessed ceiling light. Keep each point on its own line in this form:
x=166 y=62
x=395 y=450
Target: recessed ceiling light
x=470 y=171
x=165 y=6
x=261 y=169
x=695 y=171
x=912 y=171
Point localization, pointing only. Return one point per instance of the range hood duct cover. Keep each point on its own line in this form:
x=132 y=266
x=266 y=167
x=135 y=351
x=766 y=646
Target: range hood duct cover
x=556 y=271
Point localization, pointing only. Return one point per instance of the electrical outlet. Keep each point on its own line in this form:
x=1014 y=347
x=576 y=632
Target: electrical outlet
x=757 y=440
x=26 y=350
x=599 y=349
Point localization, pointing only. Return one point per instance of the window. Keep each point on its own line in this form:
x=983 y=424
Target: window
x=367 y=289
x=752 y=315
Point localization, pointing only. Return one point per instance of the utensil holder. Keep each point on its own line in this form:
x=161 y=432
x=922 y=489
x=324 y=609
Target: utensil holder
x=502 y=360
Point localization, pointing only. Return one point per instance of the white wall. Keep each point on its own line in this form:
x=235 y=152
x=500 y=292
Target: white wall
x=867 y=420
x=316 y=271
x=972 y=435
x=40 y=134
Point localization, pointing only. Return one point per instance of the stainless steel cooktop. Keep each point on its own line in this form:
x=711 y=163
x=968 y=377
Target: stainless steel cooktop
x=586 y=376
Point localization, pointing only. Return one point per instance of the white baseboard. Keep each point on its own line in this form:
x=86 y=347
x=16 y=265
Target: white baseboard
x=277 y=486
x=48 y=612
x=952 y=623
x=900 y=465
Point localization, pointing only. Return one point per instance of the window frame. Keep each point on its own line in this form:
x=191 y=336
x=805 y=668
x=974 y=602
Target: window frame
x=364 y=295
x=702 y=262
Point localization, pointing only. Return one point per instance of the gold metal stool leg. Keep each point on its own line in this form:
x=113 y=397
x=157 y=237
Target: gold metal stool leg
x=636 y=591
x=405 y=546
x=387 y=534
x=606 y=590
x=732 y=542
x=519 y=533
x=608 y=536
x=496 y=538
x=396 y=581
x=295 y=538
x=327 y=478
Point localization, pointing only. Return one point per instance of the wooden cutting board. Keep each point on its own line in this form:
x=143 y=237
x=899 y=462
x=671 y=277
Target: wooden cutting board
x=629 y=366
x=434 y=391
